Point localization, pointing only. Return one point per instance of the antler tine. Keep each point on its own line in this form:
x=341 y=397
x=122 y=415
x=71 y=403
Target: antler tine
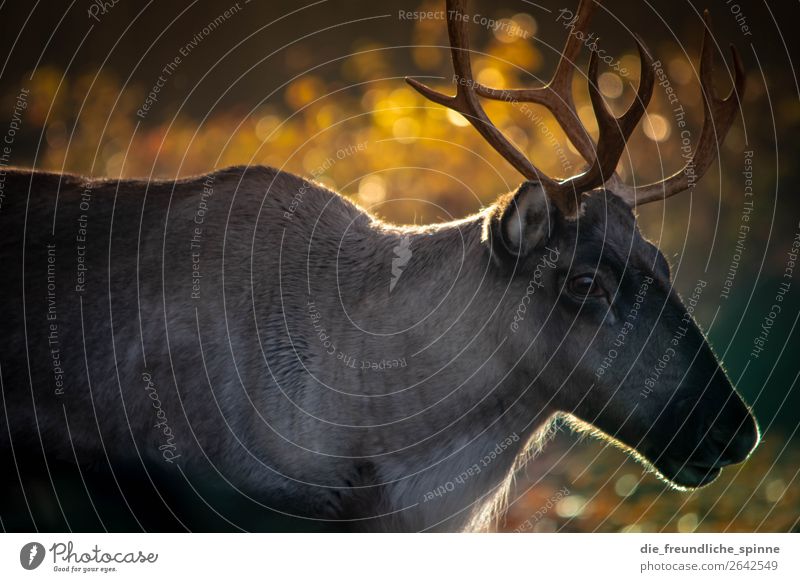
x=465 y=101
x=718 y=116
x=557 y=95
x=614 y=131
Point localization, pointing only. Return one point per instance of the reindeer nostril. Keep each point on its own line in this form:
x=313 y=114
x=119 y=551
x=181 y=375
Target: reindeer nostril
x=735 y=443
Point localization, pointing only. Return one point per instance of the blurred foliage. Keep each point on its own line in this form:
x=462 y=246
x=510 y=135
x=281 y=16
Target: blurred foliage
x=589 y=486
x=414 y=149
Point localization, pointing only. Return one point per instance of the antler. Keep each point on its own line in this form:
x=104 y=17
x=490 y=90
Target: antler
x=718 y=116
x=557 y=97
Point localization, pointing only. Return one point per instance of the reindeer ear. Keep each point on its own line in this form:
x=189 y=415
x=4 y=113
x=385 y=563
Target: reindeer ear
x=525 y=220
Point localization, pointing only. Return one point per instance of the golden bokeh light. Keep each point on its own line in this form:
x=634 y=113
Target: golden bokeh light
x=656 y=127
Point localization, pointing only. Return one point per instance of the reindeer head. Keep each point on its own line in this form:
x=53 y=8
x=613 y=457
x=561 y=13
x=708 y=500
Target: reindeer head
x=628 y=359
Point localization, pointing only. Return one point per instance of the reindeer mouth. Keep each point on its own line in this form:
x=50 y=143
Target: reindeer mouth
x=694 y=472
x=692 y=475
x=716 y=431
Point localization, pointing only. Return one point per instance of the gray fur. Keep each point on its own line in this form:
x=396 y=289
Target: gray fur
x=265 y=409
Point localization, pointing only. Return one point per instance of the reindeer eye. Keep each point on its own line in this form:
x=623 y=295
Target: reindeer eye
x=584 y=286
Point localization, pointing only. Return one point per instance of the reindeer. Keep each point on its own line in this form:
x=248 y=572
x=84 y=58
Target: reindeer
x=251 y=331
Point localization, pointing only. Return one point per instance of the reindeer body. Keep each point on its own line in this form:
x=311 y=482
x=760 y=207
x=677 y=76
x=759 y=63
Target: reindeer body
x=270 y=372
